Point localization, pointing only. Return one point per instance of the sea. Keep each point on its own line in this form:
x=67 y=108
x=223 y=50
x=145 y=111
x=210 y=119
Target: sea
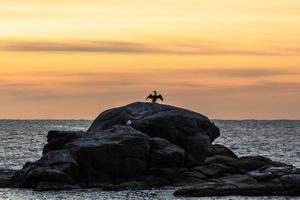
x=23 y=140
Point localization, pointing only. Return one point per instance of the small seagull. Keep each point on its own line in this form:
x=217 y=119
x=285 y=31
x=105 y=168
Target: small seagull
x=154 y=97
x=129 y=123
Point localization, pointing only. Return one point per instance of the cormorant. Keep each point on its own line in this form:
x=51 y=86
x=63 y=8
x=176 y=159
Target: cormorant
x=154 y=97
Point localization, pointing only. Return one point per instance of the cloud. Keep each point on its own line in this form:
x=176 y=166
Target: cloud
x=94 y=46
x=242 y=72
x=196 y=48
x=273 y=86
x=251 y=72
x=181 y=79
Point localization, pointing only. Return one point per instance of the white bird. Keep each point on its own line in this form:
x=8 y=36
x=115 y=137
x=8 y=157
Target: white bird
x=129 y=123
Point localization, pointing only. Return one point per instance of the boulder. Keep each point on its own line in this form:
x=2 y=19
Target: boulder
x=220 y=150
x=165 y=154
x=191 y=131
x=51 y=175
x=250 y=163
x=291 y=184
x=56 y=157
x=219 y=159
x=237 y=180
x=57 y=139
x=167 y=173
x=291 y=181
x=55 y=166
x=109 y=156
x=31 y=176
x=145 y=145
x=190 y=177
x=112 y=155
x=215 y=170
x=241 y=185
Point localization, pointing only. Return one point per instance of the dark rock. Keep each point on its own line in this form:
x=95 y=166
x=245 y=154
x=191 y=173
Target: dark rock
x=275 y=185
x=31 y=176
x=190 y=177
x=189 y=130
x=223 y=151
x=215 y=170
x=57 y=139
x=54 y=135
x=56 y=157
x=261 y=175
x=238 y=180
x=112 y=155
x=129 y=185
x=261 y=158
x=280 y=171
x=291 y=184
x=146 y=181
x=27 y=164
x=167 y=173
x=233 y=185
x=5 y=177
x=244 y=185
x=250 y=163
x=218 y=159
x=165 y=154
x=145 y=145
x=157 y=177
x=50 y=175
x=153 y=180
x=21 y=178
x=53 y=186
x=191 y=162
x=272 y=172
x=291 y=181
x=227 y=190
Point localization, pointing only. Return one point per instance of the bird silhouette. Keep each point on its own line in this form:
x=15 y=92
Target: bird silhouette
x=154 y=97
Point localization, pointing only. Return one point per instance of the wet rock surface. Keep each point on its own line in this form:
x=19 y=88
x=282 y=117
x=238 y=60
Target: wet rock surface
x=144 y=145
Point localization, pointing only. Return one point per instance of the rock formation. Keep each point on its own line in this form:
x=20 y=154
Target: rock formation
x=144 y=145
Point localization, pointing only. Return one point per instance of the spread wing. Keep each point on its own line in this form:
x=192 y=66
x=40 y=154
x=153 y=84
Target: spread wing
x=150 y=96
x=160 y=97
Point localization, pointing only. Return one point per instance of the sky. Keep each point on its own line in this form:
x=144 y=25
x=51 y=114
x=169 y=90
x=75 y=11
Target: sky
x=72 y=59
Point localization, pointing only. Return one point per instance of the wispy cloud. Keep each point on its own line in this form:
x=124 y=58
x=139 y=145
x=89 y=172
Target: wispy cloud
x=241 y=72
x=182 y=79
x=188 y=77
x=261 y=87
x=94 y=46
x=197 y=48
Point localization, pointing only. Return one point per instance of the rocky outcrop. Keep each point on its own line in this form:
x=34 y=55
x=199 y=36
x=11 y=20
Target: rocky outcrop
x=165 y=154
x=89 y=160
x=189 y=130
x=145 y=145
x=250 y=184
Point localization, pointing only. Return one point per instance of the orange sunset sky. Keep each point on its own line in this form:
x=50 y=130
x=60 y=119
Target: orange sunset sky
x=231 y=59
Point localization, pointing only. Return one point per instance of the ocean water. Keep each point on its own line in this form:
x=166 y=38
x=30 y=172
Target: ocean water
x=23 y=140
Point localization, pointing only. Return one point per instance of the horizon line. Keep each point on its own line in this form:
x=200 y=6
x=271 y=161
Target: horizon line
x=85 y=119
